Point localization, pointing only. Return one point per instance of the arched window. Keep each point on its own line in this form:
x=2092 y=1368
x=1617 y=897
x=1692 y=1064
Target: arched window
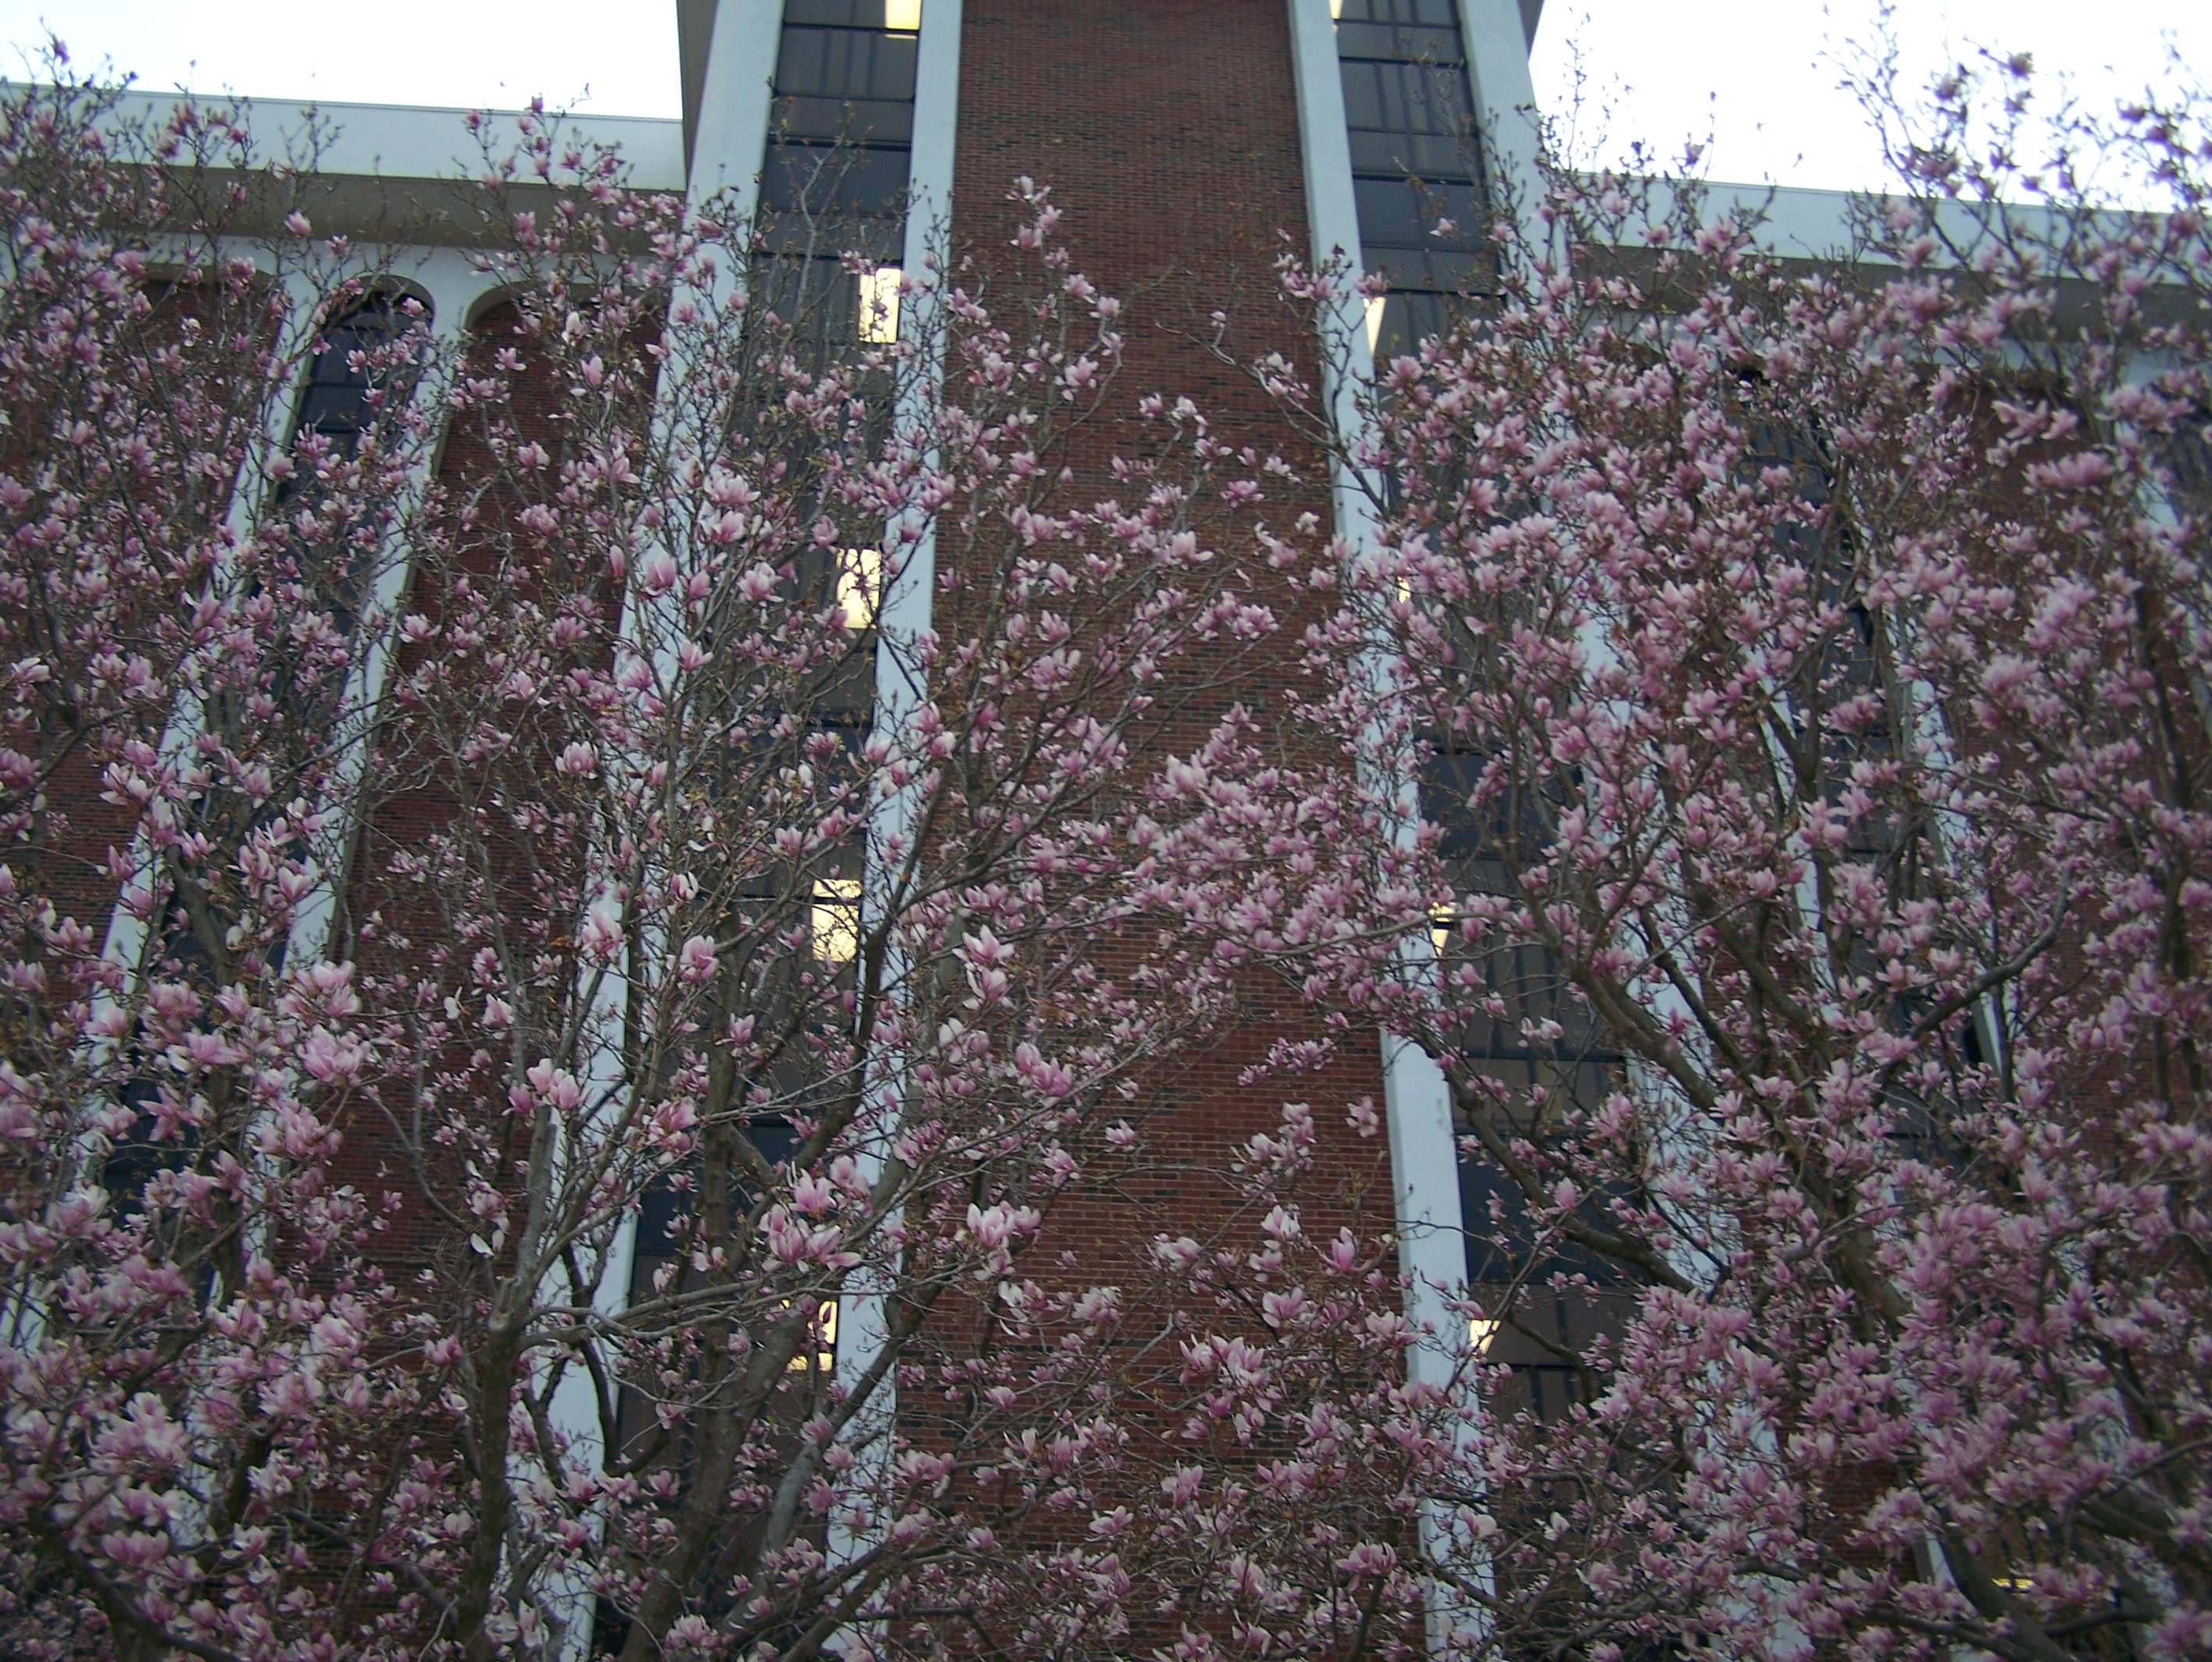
x=346 y=383
x=354 y=379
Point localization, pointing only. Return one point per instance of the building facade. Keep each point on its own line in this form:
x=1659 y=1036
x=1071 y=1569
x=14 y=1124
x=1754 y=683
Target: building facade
x=1192 y=144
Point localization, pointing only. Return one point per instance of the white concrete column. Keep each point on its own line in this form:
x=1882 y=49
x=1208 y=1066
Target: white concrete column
x=1423 y=1153
x=1417 y=1103
x=1497 y=67
x=126 y=938
x=1332 y=210
x=729 y=149
x=731 y=139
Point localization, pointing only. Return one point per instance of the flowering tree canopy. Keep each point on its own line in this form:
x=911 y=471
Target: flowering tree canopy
x=1784 y=750
x=603 y=912
x=506 y=958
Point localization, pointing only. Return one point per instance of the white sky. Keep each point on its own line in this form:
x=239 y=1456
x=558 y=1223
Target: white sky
x=1759 y=77
x=470 y=54
x=1748 y=72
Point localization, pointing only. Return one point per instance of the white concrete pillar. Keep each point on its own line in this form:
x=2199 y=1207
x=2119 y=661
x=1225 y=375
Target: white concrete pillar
x=1416 y=1102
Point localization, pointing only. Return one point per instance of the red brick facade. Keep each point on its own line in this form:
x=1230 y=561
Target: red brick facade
x=1168 y=131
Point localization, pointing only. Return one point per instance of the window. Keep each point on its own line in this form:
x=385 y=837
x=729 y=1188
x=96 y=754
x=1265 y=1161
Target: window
x=838 y=162
x=1841 y=713
x=2189 y=461
x=164 y=1136
x=353 y=378
x=877 y=322
x=834 y=925
x=1546 y=1342
x=664 y=1211
x=356 y=380
x=847 y=70
x=1416 y=159
x=1545 y=1053
x=860 y=586
x=347 y=386
x=649 y=1441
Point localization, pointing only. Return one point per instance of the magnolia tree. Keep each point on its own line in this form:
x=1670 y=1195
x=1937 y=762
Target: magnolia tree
x=602 y=916
x=549 y=1020
x=1780 y=813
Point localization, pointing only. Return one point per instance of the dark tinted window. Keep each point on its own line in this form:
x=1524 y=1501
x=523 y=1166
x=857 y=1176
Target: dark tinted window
x=838 y=164
x=343 y=389
x=846 y=83
x=1416 y=159
x=2189 y=458
x=859 y=191
x=851 y=14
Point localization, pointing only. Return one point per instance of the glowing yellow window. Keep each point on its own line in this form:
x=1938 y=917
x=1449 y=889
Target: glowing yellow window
x=835 y=927
x=822 y=1354
x=902 y=16
x=879 y=306
x=860 y=585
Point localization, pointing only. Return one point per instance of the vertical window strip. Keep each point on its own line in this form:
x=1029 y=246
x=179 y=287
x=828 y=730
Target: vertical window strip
x=1417 y=168
x=837 y=176
x=839 y=156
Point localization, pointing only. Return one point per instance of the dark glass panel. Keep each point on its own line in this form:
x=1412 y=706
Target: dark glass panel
x=1398 y=152
x=1441 y=13
x=335 y=402
x=1398 y=214
x=661 y=1209
x=1500 y=1252
x=873 y=120
x=1409 y=315
x=846 y=63
x=842 y=186
x=1438 y=44
x=1397 y=97
x=837 y=14
x=2189 y=455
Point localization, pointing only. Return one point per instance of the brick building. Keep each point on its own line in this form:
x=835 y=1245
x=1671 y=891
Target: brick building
x=1190 y=141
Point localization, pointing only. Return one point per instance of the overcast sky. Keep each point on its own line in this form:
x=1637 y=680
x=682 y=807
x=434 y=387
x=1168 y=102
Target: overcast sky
x=1749 y=72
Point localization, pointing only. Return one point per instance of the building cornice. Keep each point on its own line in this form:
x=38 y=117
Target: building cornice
x=405 y=173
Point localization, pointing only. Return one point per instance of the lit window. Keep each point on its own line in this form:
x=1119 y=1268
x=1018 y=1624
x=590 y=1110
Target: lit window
x=1481 y=1332
x=860 y=585
x=902 y=16
x=835 y=926
x=823 y=1353
x=879 y=306
x=1442 y=925
x=1374 y=304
